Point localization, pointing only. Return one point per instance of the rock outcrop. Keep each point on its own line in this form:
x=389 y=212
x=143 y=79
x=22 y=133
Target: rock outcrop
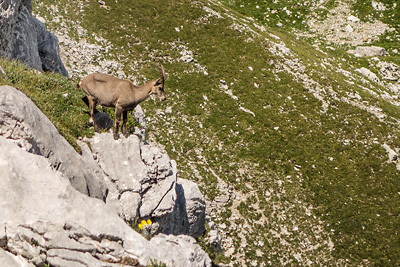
x=45 y=220
x=48 y=216
x=143 y=183
x=22 y=122
x=10 y=260
x=369 y=74
x=368 y=51
x=65 y=209
x=25 y=38
x=389 y=71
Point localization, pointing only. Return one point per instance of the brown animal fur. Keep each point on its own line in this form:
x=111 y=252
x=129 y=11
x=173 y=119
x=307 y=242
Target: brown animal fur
x=122 y=95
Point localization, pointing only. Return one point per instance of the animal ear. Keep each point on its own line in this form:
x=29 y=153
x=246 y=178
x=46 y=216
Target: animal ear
x=159 y=81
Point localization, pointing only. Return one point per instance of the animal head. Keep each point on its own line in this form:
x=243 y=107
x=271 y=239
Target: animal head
x=158 y=87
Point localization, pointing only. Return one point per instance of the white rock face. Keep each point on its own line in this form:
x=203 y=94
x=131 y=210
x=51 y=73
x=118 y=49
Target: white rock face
x=10 y=260
x=45 y=218
x=25 y=38
x=22 y=122
x=47 y=221
x=143 y=183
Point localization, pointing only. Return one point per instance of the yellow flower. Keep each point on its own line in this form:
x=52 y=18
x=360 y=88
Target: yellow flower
x=140 y=226
x=149 y=222
x=143 y=222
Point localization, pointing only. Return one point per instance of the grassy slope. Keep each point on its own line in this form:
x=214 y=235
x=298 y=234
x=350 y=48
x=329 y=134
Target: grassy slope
x=289 y=180
x=55 y=95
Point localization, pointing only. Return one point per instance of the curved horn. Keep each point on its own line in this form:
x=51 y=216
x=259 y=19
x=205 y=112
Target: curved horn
x=162 y=72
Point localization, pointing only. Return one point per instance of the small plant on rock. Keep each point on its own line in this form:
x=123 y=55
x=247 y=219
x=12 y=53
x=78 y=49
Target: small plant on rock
x=144 y=227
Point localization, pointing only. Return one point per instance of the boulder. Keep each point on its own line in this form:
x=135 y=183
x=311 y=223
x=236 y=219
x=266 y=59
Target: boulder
x=49 y=50
x=23 y=123
x=24 y=38
x=368 y=51
x=368 y=74
x=7 y=26
x=48 y=221
x=143 y=184
x=173 y=247
x=393 y=156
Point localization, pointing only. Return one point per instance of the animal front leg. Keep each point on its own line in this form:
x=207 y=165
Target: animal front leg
x=124 y=120
x=118 y=111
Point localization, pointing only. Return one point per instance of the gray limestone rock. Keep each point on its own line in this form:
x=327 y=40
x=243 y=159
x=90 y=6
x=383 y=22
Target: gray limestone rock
x=8 y=15
x=141 y=119
x=3 y=73
x=120 y=161
x=130 y=202
x=48 y=50
x=46 y=220
x=144 y=178
x=22 y=122
x=10 y=260
x=369 y=74
x=389 y=71
x=175 y=256
x=142 y=184
x=24 y=38
x=393 y=156
x=368 y=51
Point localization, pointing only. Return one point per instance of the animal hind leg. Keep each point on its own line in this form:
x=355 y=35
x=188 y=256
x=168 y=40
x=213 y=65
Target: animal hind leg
x=86 y=100
x=118 y=111
x=92 y=108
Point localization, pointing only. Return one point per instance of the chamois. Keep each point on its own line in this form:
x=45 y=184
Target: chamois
x=122 y=95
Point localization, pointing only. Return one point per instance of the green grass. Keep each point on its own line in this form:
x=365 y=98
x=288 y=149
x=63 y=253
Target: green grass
x=290 y=14
x=55 y=95
x=294 y=165
x=388 y=16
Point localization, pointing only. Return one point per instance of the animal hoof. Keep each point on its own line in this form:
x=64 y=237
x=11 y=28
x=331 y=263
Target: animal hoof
x=116 y=136
x=125 y=134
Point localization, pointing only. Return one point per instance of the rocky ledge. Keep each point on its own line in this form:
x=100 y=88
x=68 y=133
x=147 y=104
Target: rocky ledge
x=48 y=216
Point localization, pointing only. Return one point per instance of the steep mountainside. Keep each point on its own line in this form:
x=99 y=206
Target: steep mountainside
x=287 y=133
